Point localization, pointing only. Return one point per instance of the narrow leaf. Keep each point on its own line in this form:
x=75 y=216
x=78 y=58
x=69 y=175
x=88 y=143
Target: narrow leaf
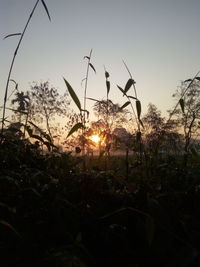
x=125 y=105
x=75 y=128
x=73 y=95
x=92 y=67
x=141 y=123
x=93 y=99
x=108 y=87
x=121 y=90
x=197 y=78
x=138 y=107
x=86 y=57
x=181 y=102
x=128 y=85
x=107 y=75
x=13 y=34
x=37 y=137
x=45 y=7
x=130 y=96
x=188 y=80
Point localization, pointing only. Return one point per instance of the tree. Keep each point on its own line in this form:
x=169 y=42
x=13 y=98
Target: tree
x=46 y=105
x=188 y=112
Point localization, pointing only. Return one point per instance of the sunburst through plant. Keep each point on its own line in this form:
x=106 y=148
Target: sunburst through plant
x=95 y=139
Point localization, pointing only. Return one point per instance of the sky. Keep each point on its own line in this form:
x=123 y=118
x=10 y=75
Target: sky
x=159 y=40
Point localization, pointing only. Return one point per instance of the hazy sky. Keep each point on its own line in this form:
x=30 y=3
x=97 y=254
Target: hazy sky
x=158 y=39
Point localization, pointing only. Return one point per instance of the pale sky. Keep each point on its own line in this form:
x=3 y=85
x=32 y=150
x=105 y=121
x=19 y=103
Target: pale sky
x=158 y=39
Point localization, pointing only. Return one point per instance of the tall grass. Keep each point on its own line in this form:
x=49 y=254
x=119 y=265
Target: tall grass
x=15 y=54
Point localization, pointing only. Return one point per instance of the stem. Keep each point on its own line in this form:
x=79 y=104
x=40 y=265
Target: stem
x=12 y=64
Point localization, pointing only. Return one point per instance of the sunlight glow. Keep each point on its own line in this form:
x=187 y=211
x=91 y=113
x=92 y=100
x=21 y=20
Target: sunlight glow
x=95 y=138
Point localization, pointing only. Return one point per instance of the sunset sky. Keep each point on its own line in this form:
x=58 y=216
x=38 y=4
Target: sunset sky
x=158 y=39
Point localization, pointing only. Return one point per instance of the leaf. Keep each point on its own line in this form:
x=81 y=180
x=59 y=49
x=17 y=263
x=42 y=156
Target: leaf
x=93 y=99
x=73 y=95
x=92 y=67
x=181 y=102
x=75 y=128
x=45 y=7
x=141 y=123
x=128 y=85
x=107 y=75
x=125 y=105
x=197 y=78
x=138 y=107
x=12 y=34
x=188 y=80
x=37 y=137
x=108 y=87
x=130 y=96
x=121 y=90
x=86 y=57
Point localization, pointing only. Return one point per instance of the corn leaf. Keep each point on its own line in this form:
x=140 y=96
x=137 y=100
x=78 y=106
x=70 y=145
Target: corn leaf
x=45 y=7
x=75 y=128
x=73 y=95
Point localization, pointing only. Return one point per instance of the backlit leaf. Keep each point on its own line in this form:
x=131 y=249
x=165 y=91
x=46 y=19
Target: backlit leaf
x=181 y=102
x=121 y=90
x=128 y=85
x=108 y=86
x=130 y=96
x=138 y=108
x=73 y=95
x=86 y=57
x=12 y=34
x=141 y=123
x=125 y=105
x=45 y=7
x=197 y=78
x=92 y=67
x=107 y=75
x=188 y=80
x=75 y=128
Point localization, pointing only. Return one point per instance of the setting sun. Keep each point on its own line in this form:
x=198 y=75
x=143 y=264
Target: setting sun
x=95 y=138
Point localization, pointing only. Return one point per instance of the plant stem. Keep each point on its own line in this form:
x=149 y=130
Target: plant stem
x=12 y=64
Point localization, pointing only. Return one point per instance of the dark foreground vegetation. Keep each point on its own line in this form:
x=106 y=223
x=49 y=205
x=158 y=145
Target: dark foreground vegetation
x=52 y=213
x=137 y=210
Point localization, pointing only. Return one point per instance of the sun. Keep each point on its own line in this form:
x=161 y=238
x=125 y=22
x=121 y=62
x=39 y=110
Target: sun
x=95 y=138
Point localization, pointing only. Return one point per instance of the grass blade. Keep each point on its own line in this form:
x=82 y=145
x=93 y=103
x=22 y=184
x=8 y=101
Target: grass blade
x=108 y=87
x=181 y=102
x=45 y=7
x=73 y=95
x=138 y=107
x=12 y=34
x=92 y=67
x=75 y=128
x=125 y=105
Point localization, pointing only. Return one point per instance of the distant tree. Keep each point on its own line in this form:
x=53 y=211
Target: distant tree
x=188 y=112
x=46 y=105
